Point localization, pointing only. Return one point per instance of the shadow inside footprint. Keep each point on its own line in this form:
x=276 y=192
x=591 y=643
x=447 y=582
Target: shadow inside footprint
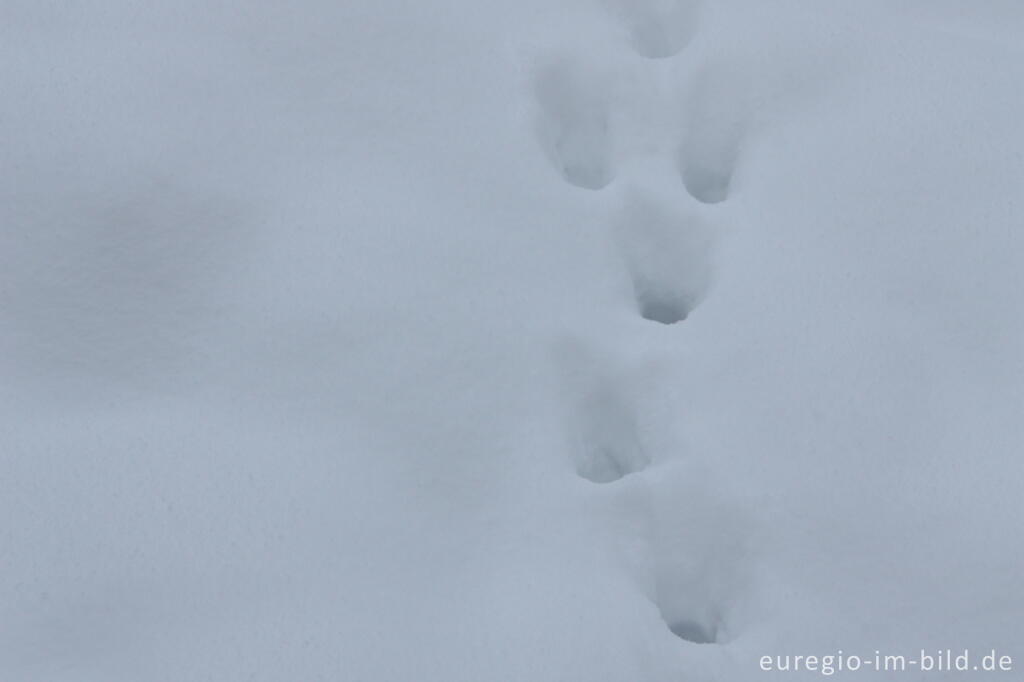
x=660 y=28
x=662 y=310
x=706 y=184
x=701 y=557
x=610 y=446
x=692 y=631
x=605 y=465
x=668 y=255
x=717 y=122
x=605 y=440
x=573 y=124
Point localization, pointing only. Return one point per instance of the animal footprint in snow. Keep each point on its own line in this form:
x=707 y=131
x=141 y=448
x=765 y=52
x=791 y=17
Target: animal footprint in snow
x=604 y=434
x=717 y=118
x=609 y=446
x=700 y=550
x=668 y=255
x=658 y=28
x=573 y=123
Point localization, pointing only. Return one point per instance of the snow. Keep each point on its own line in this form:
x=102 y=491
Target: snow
x=592 y=340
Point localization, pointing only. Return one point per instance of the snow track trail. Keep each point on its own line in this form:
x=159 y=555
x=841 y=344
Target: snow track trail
x=694 y=548
x=478 y=341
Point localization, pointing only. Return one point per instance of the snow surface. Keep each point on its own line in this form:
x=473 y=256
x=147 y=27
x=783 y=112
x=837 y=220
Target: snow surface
x=623 y=340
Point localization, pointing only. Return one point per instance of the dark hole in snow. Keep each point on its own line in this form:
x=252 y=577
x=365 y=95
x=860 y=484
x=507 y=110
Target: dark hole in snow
x=706 y=186
x=692 y=631
x=665 y=312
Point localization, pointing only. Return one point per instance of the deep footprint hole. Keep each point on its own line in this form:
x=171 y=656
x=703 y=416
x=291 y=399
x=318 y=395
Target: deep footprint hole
x=607 y=465
x=707 y=187
x=573 y=124
x=663 y=311
x=662 y=28
x=693 y=632
x=667 y=253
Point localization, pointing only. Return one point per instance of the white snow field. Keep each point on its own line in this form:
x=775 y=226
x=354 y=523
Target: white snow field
x=477 y=341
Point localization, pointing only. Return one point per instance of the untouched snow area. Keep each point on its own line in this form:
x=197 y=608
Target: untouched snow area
x=591 y=340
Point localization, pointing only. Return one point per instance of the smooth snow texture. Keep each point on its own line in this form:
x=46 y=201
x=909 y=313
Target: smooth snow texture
x=598 y=340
